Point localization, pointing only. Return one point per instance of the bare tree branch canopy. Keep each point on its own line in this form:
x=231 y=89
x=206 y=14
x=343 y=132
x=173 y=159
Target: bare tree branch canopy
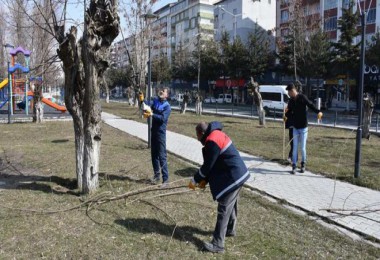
x=40 y=26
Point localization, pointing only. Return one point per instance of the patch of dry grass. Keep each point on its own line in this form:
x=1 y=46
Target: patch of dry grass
x=38 y=168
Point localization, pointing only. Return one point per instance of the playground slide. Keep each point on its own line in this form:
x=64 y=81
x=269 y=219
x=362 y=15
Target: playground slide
x=54 y=105
x=49 y=103
x=3 y=83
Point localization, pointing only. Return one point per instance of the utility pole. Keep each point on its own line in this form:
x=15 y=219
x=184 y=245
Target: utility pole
x=360 y=108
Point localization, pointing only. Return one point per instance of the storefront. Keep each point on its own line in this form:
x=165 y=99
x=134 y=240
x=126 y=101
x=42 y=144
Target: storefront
x=235 y=87
x=372 y=84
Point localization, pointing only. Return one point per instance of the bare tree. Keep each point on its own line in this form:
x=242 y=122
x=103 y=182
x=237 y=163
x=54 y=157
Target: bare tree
x=84 y=63
x=255 y=92
x=43 y=58
x=139 y=32
x=31 y=21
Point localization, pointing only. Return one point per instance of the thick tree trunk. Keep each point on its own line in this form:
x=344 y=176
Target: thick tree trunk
x=84 y=69
x=261 y=113
x=92 y=129
x=108 y=97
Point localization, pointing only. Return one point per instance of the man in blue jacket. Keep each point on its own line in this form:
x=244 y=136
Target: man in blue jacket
x=160 y=112
x=226 y=173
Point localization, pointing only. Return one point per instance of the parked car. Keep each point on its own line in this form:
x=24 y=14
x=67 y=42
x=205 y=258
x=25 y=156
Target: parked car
x=224 y=98
x=209 y=100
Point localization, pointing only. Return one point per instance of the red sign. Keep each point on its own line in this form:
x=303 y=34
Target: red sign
x=230 y=83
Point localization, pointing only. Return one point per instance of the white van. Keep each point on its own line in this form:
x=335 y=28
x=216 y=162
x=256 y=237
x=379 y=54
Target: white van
x=275 y=98
x=224 y=98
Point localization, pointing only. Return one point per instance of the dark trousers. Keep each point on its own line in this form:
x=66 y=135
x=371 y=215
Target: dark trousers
x=227 y=217
x=159 y=157
x=291 y=142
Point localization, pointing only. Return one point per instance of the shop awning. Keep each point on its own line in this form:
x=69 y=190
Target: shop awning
x=230 y=83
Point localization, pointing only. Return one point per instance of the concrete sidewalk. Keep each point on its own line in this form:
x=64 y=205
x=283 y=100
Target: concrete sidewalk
x=352 y=207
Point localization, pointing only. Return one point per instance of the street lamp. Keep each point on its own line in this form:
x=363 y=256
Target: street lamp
x=235 y=22
x=148 y=17
x=360 y=103
x=9 y=85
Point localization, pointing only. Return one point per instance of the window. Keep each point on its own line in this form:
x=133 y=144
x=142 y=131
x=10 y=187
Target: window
x=193 y=22
x=186 y=24
x=345 y=4
x=284 y=32
x=271 y=96
x=330 y=24
x=284 y=16
x=331 y=4
x=371 y=16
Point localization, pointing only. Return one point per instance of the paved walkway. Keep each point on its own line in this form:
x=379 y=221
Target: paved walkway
x=359 y=208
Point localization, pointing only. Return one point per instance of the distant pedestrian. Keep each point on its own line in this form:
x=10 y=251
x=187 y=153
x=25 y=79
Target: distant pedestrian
x=185 y=101
x=297 y=107
x=160 y=112
x=225 y=171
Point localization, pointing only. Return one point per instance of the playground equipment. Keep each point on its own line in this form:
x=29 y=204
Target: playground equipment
x=19 y=92
x=46 y=101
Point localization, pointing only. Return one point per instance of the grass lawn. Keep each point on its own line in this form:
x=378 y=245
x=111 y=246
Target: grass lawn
x=331 y=152
x=37 y=174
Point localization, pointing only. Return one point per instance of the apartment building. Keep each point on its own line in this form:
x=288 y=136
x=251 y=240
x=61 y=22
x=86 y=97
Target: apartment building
x=242 y=17
x=182 y=23
x=188 y=20
x=339 y=91
x=328 y=12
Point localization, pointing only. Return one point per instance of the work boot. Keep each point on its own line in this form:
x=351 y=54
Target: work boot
x=302 y=167
x=293 y=170
x=230 y=233
x=212 y=248
x=165 y=184
x=155 y=180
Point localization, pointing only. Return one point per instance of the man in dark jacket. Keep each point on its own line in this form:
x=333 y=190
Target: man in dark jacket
x=160 y=112
x=226 y=173
x=297 y=109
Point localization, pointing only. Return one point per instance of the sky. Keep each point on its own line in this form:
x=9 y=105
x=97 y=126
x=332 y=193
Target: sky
x=75 y=12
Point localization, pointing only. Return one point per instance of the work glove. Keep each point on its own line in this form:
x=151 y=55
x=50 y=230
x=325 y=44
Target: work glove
x=202 y=184
x=141 y=97
x=146 y=108
x=148 y=113
x=319 y=116
x=192 y=184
